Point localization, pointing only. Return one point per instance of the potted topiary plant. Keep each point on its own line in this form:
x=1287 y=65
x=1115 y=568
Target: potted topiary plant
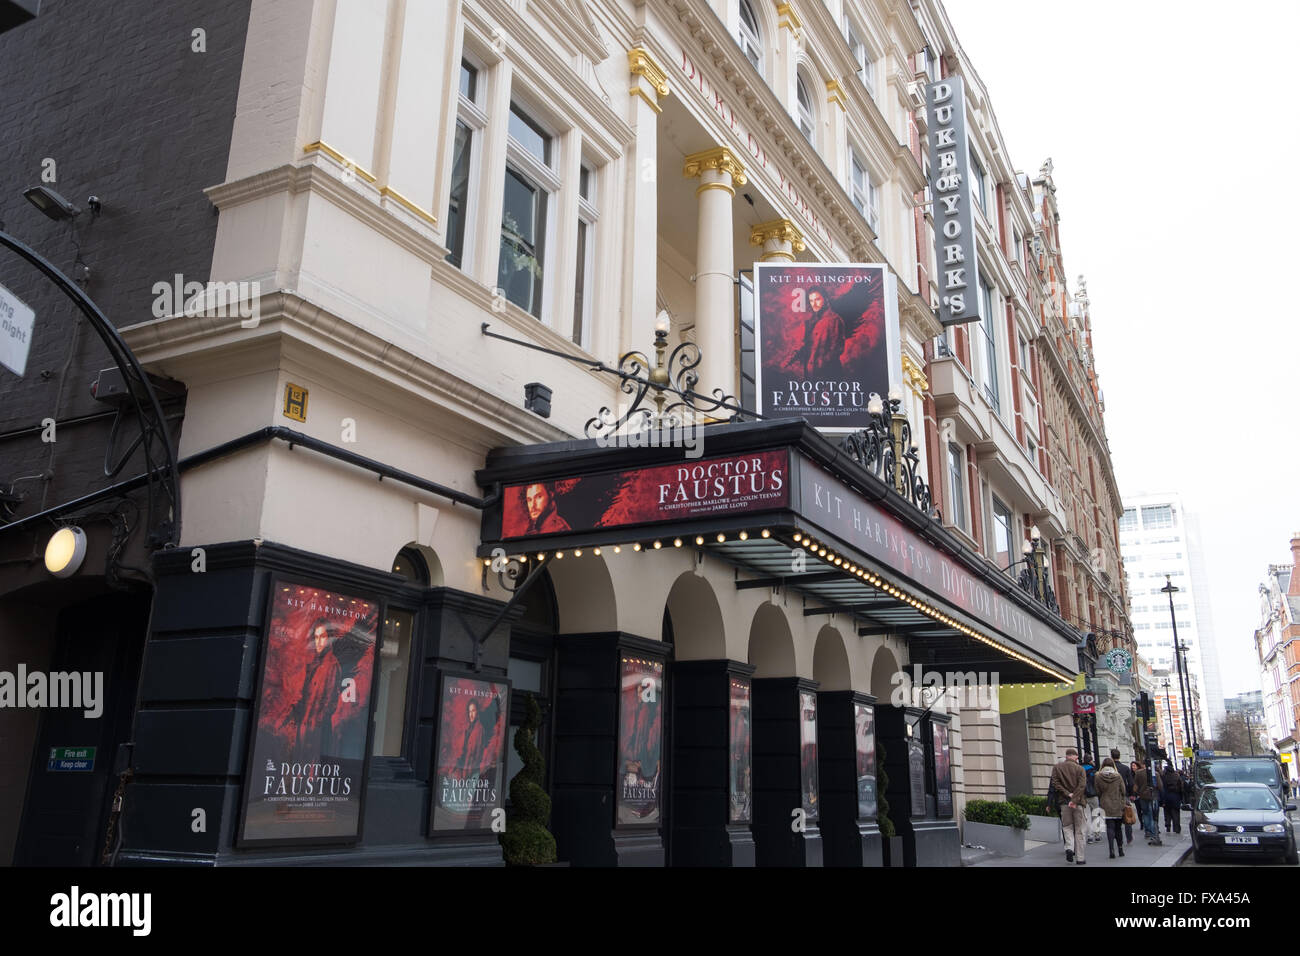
x=892 y=843
x=526 y=840
x=996 y=824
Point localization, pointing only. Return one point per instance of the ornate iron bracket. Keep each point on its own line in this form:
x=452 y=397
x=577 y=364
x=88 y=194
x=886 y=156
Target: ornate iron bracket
x=887 y=449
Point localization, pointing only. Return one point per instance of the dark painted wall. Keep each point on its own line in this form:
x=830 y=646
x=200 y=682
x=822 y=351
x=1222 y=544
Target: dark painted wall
x=114 y=94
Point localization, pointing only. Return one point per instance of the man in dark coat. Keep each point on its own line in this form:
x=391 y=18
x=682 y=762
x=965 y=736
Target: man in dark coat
x=1173 y=799
x=1071 y=785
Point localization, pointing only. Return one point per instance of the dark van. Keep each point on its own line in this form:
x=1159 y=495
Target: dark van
x=1265 y=770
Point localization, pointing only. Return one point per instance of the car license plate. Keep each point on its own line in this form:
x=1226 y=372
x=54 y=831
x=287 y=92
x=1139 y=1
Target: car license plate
x=1245 y=840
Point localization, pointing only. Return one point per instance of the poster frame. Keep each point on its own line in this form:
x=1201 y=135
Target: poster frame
x=242 y=839
x=444 y=675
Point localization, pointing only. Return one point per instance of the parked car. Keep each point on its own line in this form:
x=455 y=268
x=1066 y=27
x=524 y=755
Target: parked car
x=1265 y=770
x=1241 y=819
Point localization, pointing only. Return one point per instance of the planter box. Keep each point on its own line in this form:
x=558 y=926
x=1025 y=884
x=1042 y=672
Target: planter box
x=1004 y=841
x=1044 y=829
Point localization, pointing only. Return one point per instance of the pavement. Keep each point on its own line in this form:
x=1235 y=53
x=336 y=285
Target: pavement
x=1138 y=853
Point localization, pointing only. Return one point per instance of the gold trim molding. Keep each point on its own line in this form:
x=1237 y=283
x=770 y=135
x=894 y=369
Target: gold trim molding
x=915 y=376
x=640 y=63
x=835 y=94
x=719 y=158
x=788 y=18
x=334 y=154
x=391 y=193
x=782 y=230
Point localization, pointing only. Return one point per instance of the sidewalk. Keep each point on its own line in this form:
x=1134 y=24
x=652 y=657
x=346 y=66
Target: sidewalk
x=1138 y=853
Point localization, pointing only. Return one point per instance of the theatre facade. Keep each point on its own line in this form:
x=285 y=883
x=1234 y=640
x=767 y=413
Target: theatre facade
x=499 y=449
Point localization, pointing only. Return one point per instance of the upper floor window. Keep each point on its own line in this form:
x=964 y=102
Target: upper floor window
x=990 y=364
x=526 y=211
x=866 y=67
x=804 y=110
x=1157 y=516
x=862 y=191
x=586 y=255
x=751 y=41
x=956 y=485
x=978 y=180
x=470 y=121
x=1002 y=533
x=1128 y=522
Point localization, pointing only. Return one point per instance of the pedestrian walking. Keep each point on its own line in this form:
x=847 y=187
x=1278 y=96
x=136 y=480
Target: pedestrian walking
x=1173 y=799
x=1096 y=828
x=1071 y=784
x=1112 y=793
x=1126 y=772
x=1146 y=792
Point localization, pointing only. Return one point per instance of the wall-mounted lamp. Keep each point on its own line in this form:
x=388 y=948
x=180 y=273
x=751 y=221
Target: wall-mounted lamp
x=65 y=552
x=537 y=399
x=51 y=203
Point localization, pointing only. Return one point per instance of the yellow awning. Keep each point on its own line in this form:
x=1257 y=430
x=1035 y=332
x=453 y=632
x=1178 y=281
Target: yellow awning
x=1014 y=697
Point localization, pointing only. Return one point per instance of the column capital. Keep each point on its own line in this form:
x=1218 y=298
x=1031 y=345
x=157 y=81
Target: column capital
x=915 y=376
x=719 y=158
x=779 y=230
x=641 y=63
x=835 y=94
x=788 y=18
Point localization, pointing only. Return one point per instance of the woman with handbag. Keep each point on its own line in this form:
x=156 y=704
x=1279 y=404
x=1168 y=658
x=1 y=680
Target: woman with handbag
x=1113 y=796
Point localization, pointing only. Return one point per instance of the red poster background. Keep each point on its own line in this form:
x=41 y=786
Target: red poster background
x=735 y=484
x=469 y=783
x=640 y=729
x=822 y=344
x=306 y=773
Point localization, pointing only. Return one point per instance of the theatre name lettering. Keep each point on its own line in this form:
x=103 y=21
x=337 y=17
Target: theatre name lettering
x=695 y=77
x=887 y=540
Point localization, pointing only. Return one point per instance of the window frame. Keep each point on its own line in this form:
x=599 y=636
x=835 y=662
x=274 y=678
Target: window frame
x=471 y=115
x=585 y=264
x=543 y=177
x=861 y=54
x=957 y=484
x=990 y=385
x=805 y=111
x=749 y=33
x=866 y=201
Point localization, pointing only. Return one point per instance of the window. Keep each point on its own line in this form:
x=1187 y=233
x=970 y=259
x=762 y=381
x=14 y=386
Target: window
x=1002 y=526
x=1157 y=516
x=524 y=213
x=956 y=484
x=1128 y=522
x=470 y=121
x=804 y=110
x=866 y=68
x=990 y=364
x=977 y=178
x=1018 y=248
x=863 y=192
x=586 y=256
x=750 y=40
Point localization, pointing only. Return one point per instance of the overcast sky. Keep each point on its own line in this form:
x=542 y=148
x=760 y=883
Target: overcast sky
x=1170 y=125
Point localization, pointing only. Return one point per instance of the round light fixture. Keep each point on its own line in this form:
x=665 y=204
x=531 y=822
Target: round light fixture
x=65 y=552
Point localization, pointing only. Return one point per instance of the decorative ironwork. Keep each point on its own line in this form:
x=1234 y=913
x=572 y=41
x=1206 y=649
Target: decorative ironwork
x=676 y=376
x=1034 y=578
x=887 y=449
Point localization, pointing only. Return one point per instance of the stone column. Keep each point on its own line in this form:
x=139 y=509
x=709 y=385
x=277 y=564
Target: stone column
x=982 y=755
x=649 y=85
x=719 y=172
x=779 y=240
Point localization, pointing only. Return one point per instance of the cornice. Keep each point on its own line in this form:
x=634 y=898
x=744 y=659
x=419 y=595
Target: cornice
x=285 y=315
x=321 y=173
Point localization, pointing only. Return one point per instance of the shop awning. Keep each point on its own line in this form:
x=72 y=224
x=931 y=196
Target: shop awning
x=789 y=510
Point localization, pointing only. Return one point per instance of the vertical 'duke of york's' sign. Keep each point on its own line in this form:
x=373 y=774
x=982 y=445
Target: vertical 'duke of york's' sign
x=954 y=227
x=468 y=785
x=640 y=735
x=313 y=715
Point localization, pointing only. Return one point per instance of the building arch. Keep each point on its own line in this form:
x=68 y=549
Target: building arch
x=771 y=644
x=698 y=630
x=884 y=665
x=584 y=594
x=831 y=668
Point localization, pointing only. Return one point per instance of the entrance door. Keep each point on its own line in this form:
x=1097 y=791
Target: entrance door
x=66 y=811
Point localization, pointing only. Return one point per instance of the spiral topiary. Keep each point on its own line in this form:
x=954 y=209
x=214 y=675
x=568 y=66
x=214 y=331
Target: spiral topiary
x=526 y=841
x=882 y=804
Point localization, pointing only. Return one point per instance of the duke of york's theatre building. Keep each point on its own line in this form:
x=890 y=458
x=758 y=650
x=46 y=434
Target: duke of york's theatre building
x=463 y=218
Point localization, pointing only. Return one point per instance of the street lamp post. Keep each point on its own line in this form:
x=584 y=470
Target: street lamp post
x=1169 y=713
x=1194 y=712
x=1169 y=589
